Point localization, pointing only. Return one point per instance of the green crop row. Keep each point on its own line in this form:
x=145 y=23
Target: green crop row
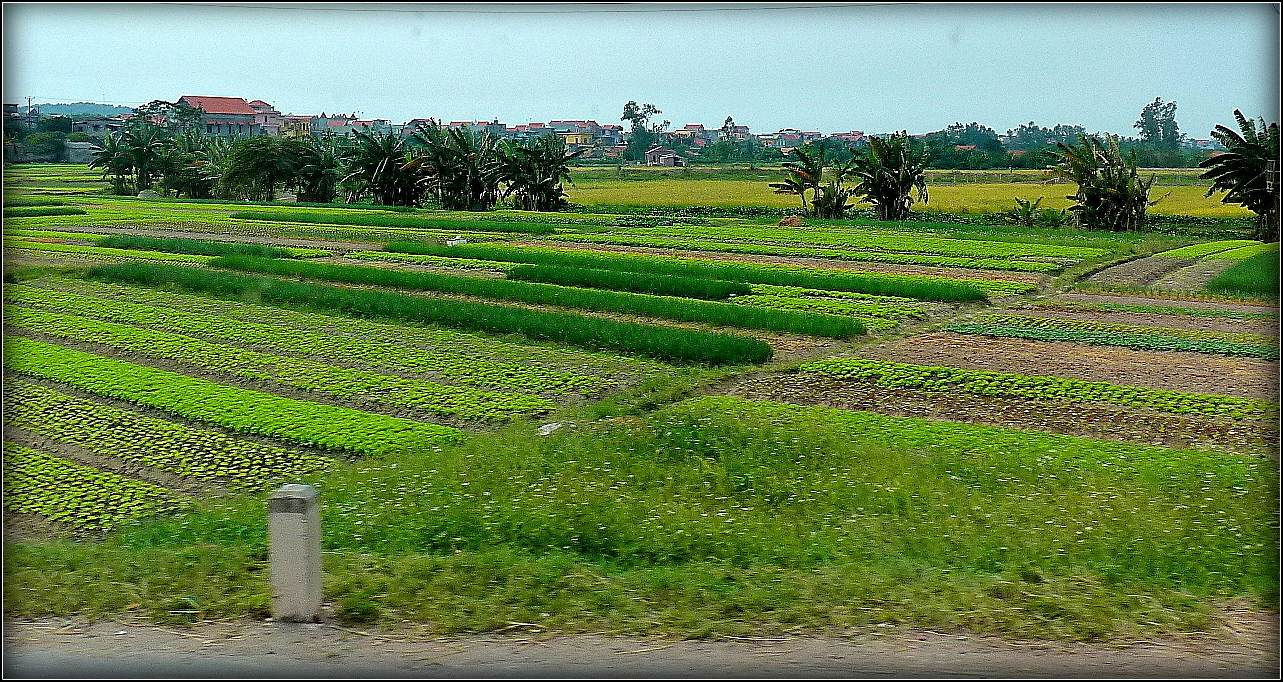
x=379 y=220
x=1032 y=322
x=466 y=370
x=411 y=341
x=691 y=244
x=1156 y=309
x=199 y=247
x=660 y=342
x=302 y=373
x=922 y=288
x=1206 y=248
x=126 y=254
x=1246 y=252
x=1032 y=387
x=439 y=261
x=822 y=305
x=296 y=421
x=36 y=211
x=39 y=483
x=866 y=239
x=162 y=445
x=1138 y=341
x=657 y=285
x=550 y=294
x=10 y=202
x=49 y=234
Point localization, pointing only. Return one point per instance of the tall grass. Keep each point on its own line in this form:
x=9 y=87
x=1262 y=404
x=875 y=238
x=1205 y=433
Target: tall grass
x=687 y=310
x=38 y=211
x=679 y=345
x=1253 y=276
x=718 y=515
x=922 y=288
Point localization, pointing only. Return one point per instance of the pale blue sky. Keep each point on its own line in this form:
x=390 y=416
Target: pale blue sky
x=830 y=67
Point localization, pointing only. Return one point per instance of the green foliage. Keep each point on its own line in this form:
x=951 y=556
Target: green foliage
x=298 y=372
x=297 y=421
x=890 y=171
x=34 y=211
x=1254 y=276
x=458 y=364
x=193 y=246
x=550 y=294
x=1206 y=248
x=407 y=222
x=923 y=288
x=658 y=285
x=162 y=445
x=1111 y=195
x=664 y=343
x=380 y=166
x=39 y=483
x=1248 y=172
x=1114 y=335
x=10 y=201
x=462 y=169
x=534 y=171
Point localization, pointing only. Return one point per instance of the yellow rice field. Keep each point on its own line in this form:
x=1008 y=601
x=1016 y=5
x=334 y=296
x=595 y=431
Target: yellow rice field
x=959 y=198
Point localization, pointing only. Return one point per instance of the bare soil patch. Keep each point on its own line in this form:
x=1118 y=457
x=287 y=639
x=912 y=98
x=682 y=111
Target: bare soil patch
x=1100 y=421
x=1193 y=277
x=1140 y=272
x=1165 y=370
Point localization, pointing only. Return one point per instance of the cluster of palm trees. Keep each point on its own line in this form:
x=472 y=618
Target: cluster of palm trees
x=886 y=174
x=458 y=169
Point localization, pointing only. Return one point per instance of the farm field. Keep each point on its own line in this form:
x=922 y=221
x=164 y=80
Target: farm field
x=649 y=422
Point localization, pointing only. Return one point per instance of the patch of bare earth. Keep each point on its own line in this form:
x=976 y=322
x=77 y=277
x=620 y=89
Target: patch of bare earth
x=1193 y=277
x=1100 y=421
x=1140 y=272
x=1165 y=370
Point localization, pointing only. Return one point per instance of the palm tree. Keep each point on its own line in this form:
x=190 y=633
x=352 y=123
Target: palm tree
x=379 y=164
x=145 y=145
x=461 y=168
x=889 y=172
x=114 y=160
x=535 y=170
x=257 y=165
x=1248 y=172
x=804 y=174
x=1111 y=195
x=318 y=167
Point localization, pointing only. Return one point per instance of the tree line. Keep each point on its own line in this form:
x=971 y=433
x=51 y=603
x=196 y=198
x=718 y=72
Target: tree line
x=162 y=149
x=890 y=175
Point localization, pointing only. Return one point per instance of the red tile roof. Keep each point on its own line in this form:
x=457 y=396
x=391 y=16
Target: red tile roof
x=219 y=105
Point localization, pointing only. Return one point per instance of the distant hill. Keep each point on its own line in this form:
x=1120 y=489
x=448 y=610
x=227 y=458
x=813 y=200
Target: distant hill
x=83 y=109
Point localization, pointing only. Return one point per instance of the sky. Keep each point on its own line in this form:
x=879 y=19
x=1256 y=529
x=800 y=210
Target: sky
x=828 y=67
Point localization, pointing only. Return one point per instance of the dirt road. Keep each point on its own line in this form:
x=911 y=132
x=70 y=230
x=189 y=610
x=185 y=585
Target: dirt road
x=253 y=649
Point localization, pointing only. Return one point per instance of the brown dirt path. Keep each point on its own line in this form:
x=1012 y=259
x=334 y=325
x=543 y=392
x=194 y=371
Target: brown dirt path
x=1244 y=646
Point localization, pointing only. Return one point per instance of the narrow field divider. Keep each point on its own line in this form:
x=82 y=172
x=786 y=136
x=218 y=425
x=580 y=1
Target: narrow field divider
x=615 y=280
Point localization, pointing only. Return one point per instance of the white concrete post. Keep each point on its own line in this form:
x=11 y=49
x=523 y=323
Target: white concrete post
x=294 y=542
